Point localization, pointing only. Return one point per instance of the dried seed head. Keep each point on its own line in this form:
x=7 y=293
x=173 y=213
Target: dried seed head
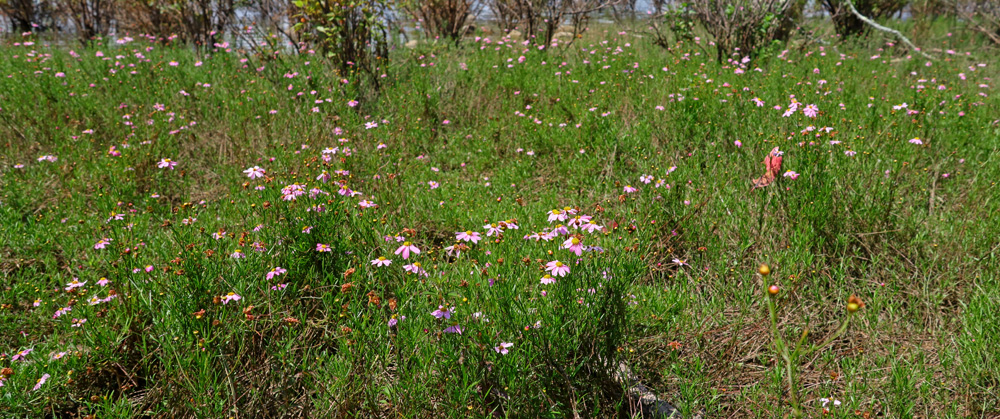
x=854 y=304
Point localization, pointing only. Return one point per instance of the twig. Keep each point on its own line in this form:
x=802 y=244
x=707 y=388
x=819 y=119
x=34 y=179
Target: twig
x=885 y=29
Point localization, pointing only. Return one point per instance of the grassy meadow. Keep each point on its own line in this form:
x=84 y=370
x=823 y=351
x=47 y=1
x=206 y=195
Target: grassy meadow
x=201 y=233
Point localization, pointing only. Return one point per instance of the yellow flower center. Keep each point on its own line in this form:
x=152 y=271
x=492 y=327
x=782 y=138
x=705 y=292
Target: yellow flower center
x=381 y=258
x=559 y=264
x=576 y=240
x=406 y=243
x=468 y=232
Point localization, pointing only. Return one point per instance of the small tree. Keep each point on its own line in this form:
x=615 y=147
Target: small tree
x=443 y=18
x=201 y=22
x=743 y=26
x=92 y=18
x=982 y=16
x=540 y=19
x=350 y=32
x=28 y=15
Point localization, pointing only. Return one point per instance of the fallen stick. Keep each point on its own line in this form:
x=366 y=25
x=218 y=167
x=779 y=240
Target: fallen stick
x=885 y=29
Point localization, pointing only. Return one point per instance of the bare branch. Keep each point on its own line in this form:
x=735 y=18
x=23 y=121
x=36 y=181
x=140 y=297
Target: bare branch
x=885 y=29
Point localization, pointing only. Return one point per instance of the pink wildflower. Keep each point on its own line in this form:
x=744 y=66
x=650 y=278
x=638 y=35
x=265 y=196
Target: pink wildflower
x=230 y=297
x=574 y=245
x=255 y=172
x=811 y=111
x=469 y=236
x=591 y=226
x=492 y=230
x=41 y=381
x=557 y=215
x=557 y=268
x=441 y=313
x=166 y=164
x=277 y=271
x=406 y=249
x=415 y=269
x=75 y=284
x=502 y=349
x=21 y=356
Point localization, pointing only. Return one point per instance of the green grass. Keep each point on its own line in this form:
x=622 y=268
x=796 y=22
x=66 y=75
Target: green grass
x=910 y=229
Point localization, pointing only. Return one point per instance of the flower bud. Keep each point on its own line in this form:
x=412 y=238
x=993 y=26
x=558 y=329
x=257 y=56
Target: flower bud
x=764 y=270
x=773 y=290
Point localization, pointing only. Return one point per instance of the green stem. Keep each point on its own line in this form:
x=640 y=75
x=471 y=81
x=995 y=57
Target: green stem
x=792 y=393
x=788 y=358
